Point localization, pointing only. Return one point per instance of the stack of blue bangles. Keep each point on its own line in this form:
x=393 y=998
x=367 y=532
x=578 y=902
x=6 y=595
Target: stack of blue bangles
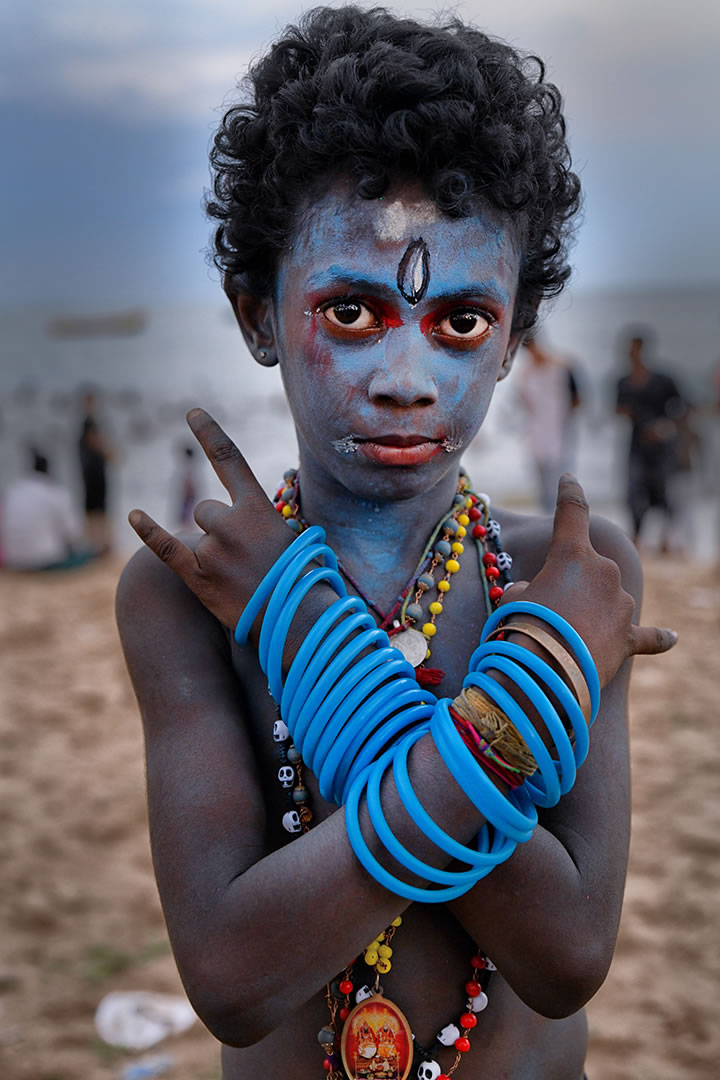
x=352 y=719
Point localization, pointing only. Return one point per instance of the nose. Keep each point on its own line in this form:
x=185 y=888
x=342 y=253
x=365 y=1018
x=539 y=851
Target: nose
x=405 y=377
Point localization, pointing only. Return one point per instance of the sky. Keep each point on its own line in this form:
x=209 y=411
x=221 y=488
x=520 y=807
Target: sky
x=107 y=111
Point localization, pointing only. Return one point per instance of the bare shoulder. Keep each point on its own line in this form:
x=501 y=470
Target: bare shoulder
x=527 y=538
x=148 y=589
x=169 y=638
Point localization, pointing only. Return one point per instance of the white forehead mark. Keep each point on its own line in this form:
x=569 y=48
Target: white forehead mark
x=399 y=219
x=418 y=276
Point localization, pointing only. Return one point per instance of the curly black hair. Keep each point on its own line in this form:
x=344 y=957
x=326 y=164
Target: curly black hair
x=365 y=93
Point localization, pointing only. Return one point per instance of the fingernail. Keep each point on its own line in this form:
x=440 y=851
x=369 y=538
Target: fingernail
x=134 y=518
x=193 y=414
x=673 y=633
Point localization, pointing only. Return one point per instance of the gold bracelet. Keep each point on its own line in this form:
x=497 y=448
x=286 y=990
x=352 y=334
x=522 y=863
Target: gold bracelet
x=559 y=653
x=498 y=732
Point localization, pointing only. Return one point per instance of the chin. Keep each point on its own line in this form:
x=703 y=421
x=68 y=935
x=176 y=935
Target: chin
x=395 y=483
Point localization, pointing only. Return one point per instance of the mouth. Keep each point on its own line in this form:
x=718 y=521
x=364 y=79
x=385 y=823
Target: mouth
x=393 y=449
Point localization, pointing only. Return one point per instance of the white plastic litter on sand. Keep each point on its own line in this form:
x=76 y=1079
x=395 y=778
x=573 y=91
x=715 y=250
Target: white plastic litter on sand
x=139 y=1019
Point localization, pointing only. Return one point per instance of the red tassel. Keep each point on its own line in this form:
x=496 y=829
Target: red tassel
x=429 y=676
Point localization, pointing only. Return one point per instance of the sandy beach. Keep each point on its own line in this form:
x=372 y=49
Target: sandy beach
x=79 y=914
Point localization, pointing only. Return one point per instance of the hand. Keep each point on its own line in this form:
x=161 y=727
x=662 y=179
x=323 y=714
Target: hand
x=241 y=541
x=585 y=588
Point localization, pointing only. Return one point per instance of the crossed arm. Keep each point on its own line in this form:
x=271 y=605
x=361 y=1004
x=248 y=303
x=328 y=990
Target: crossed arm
x=233 y=906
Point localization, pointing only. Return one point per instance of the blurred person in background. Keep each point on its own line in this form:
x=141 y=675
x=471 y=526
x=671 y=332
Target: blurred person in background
x=40 y=528
x=188 y=488
x=94 y=455
x=652 y=402
x=549 y=395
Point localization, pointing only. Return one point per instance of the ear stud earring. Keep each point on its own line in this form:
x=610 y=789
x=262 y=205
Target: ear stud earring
x=262 y=354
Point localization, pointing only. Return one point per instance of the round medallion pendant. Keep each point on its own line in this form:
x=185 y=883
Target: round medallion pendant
x=412 y=644
x=376 y=1041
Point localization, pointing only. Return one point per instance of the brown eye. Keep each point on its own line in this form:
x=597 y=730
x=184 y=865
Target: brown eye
x=466 y=325
x=350 y=313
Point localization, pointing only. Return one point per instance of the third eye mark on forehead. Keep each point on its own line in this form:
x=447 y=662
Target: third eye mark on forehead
x=413 y=276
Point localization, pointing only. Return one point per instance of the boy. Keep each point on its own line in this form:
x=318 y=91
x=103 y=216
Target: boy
x=393 y=202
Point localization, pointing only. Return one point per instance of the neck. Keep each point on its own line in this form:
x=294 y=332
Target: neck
x=379 y=541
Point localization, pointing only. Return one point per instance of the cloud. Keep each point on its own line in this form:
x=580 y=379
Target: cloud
x=156 y=82
x=623 y=66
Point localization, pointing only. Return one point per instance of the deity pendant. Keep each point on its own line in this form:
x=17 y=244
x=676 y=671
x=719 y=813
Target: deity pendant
x=376 y=1042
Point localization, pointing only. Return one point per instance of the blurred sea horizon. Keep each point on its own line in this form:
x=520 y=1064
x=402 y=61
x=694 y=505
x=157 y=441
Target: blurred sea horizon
x=192 y=355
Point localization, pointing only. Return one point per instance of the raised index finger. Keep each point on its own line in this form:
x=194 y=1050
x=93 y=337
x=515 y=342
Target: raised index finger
x=167 y=547
x=572 y=513
x=232 y=470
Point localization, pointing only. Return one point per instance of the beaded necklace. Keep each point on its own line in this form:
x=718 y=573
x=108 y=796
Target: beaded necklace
x=411 y=628
x=371 y=1039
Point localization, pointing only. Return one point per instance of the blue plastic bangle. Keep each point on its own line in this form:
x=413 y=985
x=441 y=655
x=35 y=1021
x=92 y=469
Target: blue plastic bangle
x=333 y=781
x=282 y=591
x=333 y=703
x=502 y=812
x=305 y=653
x=368 y=714
x=485 y=857
x=335 y=699
x=576 y=643
x=278 y=632
x=555 y=685
x=319 y=699
x=315 y=667
x=549 y=793
x=399 y=852
x=565 y=765
x=358 y=633
x=377 y=668
x=306 y=717
x=268 y=583
x=396 y=727
x=373 y=867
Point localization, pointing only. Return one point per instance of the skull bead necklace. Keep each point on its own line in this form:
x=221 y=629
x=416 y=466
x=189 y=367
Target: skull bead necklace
x=368 y=1037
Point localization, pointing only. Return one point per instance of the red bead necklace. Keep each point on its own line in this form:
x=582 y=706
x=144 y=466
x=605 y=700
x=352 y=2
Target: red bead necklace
x=368 y=1037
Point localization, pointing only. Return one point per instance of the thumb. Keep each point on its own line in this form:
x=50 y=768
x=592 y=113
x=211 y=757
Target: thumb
x=649 y=640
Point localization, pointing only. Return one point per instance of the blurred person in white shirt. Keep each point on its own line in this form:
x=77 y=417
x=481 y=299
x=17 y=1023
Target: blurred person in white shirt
x=40 y=528
x=549 y=394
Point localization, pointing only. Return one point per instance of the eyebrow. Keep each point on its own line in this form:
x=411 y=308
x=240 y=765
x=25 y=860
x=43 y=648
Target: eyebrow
x=336 y=275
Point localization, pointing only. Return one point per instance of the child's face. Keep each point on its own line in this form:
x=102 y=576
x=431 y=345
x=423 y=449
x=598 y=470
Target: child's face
x=392 y=325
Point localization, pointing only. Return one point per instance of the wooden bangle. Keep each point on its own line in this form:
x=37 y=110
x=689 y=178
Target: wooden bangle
x=559 y=653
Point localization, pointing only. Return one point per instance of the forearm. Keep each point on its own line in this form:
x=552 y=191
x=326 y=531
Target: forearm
x=346 y=882
x=303 y=910
x=555 y=905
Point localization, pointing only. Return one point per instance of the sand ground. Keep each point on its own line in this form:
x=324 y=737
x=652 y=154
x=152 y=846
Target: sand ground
x=79 y=915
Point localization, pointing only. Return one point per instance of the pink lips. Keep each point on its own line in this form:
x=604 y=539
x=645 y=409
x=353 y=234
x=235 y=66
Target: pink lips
x=400 y=449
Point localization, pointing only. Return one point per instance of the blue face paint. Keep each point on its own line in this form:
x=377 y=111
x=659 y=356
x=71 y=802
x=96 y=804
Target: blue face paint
x=390 y=374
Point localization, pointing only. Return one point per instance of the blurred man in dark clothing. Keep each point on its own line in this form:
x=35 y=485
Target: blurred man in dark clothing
x=93 y=455
x=653 y=403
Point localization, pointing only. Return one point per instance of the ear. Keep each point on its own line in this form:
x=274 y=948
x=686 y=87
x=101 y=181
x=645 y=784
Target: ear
x=255 y=319
x=516 y=340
